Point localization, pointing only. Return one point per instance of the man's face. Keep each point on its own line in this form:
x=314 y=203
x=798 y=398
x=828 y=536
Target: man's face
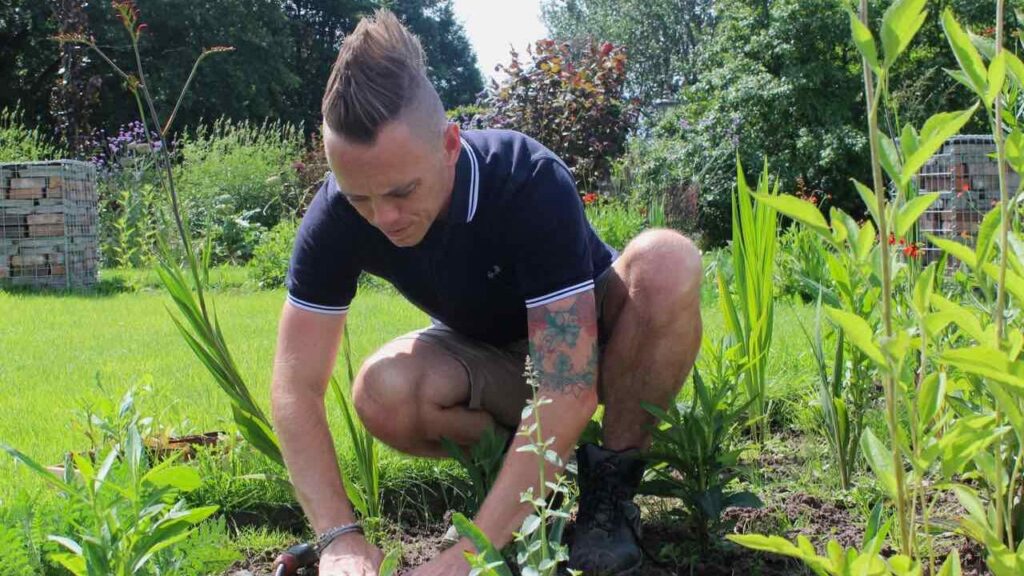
x=401 y=183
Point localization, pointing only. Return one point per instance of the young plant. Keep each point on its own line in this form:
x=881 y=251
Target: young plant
x=750 y=315
x=482 y=462
x=888 y=341
x=694 y=454
x=842 y=412
x=846 y=562
x=126 y=512
x=539 y=547
x=365 y=496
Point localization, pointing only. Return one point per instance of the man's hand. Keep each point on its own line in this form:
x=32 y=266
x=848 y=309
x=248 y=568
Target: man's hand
x=350 y=555
x=451 y=562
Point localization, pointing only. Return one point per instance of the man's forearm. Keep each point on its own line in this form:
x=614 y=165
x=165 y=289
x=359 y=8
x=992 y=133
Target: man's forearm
x=312 y=463
x=564 y=419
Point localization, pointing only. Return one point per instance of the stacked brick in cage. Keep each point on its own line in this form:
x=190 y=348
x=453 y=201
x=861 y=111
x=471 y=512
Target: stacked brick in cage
x=48 y=224
x=966 y=176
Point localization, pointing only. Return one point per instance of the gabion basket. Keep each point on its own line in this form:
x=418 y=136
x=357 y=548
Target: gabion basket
x=48 y=224
x=965 y=174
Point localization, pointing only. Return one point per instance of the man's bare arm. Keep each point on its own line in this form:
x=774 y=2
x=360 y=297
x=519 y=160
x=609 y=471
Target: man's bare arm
x=563 y=345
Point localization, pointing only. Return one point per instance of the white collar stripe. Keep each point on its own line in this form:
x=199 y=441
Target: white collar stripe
x=474 y=180
x=559 y=294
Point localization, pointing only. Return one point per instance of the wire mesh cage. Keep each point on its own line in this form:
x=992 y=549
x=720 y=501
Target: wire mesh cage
x=965 y=174
x=48 y=224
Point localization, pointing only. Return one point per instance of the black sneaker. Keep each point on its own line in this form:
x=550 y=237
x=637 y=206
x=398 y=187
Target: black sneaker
x=607 y=537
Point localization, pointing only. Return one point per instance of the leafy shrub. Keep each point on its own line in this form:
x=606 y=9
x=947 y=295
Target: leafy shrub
x=468 y=117
x=572 y=104
x=238 y=180
x=654 y=170
x=130 y=197
x=616 y=220
x=269 y=263
x=19 y=143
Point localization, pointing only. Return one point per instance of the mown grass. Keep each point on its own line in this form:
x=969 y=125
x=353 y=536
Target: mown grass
x=61 y=353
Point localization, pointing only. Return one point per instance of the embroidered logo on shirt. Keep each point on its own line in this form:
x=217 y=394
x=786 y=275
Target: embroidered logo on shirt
x=494 y=272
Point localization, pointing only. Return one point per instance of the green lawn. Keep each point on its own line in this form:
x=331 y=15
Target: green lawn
x=54 y=349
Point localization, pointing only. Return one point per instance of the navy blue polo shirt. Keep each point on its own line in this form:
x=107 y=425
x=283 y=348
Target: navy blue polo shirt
x=514 y=237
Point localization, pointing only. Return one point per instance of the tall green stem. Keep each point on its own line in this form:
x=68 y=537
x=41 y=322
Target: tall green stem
x=166 y=161
x=888 y=381
x=997 y=129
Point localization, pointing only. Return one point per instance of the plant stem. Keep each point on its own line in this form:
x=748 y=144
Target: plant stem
x=1002 y=518
x=997 y=129
x=887 y=379
x=166 y=161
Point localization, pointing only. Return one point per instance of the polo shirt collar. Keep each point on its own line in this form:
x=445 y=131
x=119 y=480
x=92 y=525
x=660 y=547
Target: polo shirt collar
x=466 y=190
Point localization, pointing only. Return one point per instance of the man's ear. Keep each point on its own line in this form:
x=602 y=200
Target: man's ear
x=452 y=143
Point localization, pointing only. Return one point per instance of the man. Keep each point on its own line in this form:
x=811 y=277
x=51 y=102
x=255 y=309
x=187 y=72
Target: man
x=484 y=231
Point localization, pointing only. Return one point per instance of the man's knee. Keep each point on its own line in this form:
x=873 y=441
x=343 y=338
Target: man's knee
x=385 y=398
x=664 y=268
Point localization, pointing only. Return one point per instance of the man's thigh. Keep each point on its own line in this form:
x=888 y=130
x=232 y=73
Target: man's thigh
x=493 y=377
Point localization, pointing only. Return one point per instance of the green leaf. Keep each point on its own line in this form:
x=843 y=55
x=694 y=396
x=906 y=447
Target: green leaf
x=1015 y=149
x=899 y=25
x=865 y=241
x=530 y=524
x=986 y=362
x=864 y=41
x=879 y=457
x=859 y=332
x=469 y=531
x=911 y=211
x=867 y=195
x=930 y=397
x=1014 y=283
x=890 y=159
x=936 y=130
x=1015 y=67
x=951 y=567
x=389 y=566
x=800 y=210
x=774 y=544
x=955 y=249
x=923 y=290
x=179 y=477
x=966 y=54
x=996 y=78
x=986 y=234
x=908 y=140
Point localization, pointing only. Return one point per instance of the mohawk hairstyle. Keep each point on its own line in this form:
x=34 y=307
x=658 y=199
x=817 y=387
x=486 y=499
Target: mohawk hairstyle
x=379 y=76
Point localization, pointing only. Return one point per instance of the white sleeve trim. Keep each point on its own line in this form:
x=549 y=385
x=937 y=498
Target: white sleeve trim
x=333 y=310
x=559 y=294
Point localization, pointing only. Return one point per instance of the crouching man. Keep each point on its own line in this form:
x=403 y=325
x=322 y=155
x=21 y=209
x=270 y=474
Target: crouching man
x=485 y=232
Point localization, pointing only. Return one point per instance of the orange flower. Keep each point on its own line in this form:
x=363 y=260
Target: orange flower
x=912 y=250
x=590 y=198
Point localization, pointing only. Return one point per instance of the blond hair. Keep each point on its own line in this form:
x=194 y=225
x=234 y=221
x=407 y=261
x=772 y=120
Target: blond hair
x=380 y=76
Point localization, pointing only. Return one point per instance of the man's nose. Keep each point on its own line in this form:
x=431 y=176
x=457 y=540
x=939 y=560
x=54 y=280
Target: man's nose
x=384 y=214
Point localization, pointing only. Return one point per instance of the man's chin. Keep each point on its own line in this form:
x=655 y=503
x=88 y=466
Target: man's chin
x=405 y=240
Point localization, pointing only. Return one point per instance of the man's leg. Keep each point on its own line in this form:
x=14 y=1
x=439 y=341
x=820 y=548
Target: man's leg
x=651 y=310
x=411 y=393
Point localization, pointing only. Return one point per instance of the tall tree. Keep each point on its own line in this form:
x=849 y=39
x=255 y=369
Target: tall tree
x=451 y=61
x=661 y=36
x=29 y=60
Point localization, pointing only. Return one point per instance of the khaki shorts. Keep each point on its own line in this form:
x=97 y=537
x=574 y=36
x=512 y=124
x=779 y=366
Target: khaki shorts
x=496 y=380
